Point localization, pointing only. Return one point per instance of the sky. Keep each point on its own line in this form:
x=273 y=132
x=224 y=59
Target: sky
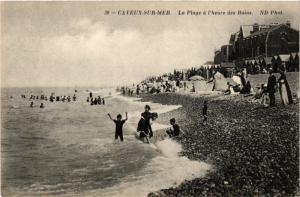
x=74 y=44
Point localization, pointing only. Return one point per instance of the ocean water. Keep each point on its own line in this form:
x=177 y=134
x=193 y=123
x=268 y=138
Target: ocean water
x=68 y=149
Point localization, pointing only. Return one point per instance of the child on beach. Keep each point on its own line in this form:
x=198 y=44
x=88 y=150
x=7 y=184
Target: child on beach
x=119 y=125
x=204 y=112
x=174 y=130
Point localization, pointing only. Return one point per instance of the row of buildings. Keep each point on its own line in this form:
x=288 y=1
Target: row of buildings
x=258 y=48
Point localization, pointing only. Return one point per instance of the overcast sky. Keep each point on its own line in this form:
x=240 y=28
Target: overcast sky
x=75 y=44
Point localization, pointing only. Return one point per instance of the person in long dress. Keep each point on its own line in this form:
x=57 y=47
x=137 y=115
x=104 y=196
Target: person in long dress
x=144 y=127
x=243 y=79
x=284 y=89
x=271 y=88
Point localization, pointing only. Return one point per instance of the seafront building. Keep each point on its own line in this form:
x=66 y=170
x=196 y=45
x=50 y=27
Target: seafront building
x=258 y=48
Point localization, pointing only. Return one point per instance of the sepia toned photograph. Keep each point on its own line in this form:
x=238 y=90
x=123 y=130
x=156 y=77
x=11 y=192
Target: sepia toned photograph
x=149 y=99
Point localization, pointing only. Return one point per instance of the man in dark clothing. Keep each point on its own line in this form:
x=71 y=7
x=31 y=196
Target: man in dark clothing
x=119 y=125
x=204 y=112
x=271 y=88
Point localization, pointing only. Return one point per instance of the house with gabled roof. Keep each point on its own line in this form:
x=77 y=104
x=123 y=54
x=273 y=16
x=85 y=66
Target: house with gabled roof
x=253 y=42
x=265 y=41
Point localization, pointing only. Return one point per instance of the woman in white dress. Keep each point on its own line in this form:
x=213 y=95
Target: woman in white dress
x=284 y=90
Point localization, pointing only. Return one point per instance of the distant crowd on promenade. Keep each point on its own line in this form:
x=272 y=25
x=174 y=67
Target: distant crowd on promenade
x=239 y=84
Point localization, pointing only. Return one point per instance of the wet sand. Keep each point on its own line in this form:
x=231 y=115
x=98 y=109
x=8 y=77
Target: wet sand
x=254 y=149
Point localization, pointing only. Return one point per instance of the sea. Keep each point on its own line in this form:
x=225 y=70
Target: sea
x=68 y=148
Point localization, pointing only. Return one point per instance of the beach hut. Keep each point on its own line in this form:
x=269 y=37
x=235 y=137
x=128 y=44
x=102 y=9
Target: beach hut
x=248 y=66
x=227 y=69
x=207 y=69
x=220 y=82
x=282 y=61
x=275 y=63
x=294 y=62
x=251 y=66
x=267 y=63
x=284 y=57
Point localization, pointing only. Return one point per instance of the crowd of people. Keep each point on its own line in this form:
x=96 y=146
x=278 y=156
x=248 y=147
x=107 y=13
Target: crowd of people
x=52 y=98
x=95 y=100
x=42 y=98
x=265 y=93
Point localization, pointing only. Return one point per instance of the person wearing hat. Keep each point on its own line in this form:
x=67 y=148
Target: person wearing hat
x=284 y=89
x=271 y=88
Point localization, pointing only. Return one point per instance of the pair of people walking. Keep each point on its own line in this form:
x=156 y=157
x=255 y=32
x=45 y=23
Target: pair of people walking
x=284 y=89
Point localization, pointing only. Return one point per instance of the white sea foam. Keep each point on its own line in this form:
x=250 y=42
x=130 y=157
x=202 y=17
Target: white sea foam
x=164 y=171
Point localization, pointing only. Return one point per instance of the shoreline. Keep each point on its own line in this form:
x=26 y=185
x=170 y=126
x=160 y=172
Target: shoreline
x=245 y=142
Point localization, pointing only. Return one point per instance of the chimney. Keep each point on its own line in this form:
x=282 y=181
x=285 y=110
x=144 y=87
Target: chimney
x=288 y=23
x=255 y=27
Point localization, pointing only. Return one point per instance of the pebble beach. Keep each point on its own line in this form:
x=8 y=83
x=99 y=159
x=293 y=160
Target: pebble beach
x=254 y=150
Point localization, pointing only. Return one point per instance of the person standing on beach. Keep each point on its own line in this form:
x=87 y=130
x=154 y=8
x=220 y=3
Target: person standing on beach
x=119 y=125
x=138 y=90
x=284 y=89
x=204 y=112
x=242 y=79
x=244 y=72
x=271 y=87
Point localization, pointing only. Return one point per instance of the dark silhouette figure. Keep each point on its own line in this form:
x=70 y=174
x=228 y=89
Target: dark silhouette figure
x=271 y=88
